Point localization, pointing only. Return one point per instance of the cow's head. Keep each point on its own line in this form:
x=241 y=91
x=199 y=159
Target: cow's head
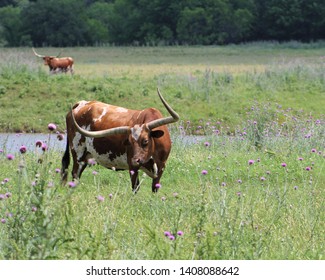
x=140 y=137
x=46 y=58
x=141 y=140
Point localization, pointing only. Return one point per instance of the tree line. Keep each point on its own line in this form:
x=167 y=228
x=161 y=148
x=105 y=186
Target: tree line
x=61 y=23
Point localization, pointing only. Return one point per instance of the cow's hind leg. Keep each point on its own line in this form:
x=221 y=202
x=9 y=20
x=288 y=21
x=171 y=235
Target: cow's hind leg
x=65 y=164
x=77 y=169
x=79 y=165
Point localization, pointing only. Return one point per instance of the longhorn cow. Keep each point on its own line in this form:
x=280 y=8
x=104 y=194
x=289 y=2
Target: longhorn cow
x=119 y=139
x=55 y=63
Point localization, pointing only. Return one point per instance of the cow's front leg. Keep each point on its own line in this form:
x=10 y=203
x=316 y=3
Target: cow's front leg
x=134 y=174
x=156 y=182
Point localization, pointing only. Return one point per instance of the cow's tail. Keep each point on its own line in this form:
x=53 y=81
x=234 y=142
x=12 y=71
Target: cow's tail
x=65 y=164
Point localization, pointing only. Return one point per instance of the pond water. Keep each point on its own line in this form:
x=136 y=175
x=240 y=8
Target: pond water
x=11 y=142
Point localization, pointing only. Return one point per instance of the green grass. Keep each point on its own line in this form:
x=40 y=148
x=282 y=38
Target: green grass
x=236 y=211
x=217 y=83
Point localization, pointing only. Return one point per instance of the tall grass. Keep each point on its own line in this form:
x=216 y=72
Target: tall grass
x=255 y=194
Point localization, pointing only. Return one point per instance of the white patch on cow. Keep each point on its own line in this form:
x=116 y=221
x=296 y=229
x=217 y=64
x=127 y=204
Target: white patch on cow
x=101 y=116
x=136 y=132
x=81 y=104
x=155 y=169
x=78 y=146
x=121 y=110
x=119 y=162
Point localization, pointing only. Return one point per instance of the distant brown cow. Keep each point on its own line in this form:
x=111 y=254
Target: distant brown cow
x=55 y=63
x=118 y=138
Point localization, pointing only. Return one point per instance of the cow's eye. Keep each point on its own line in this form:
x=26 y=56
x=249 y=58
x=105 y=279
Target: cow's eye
x=145 y=142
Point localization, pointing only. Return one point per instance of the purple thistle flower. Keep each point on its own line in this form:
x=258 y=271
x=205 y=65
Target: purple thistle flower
x=204 y=172
x=167 y=233
x=313 y=150
x=39 y=143
x=95 y=172
x=110 y=196
x=91 y=161
x=308 y=168
x=2 y=196
x=57 y=170
x=171 y=237
x=301 y=159
x=132 y=172
x=180 y=233
x=3 y=221
x=23 y=149
x=262 y=178
x=239 y=181
x=207 y=144
x=100 y=198
x=10 y=156
x=251 y=161
x=44 y=147
x=295 y=187
x=72 y=184
x=238 y=193
x=5 y=180
x=51 y=126
x=34 y=209
x=283 y=164
x=60 y=136
x=223 y=184
x=158 y=186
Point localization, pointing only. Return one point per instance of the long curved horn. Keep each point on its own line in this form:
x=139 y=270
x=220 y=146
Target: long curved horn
x=174 y=117
x=37 y=53
x=59 y=53
x=101 y=133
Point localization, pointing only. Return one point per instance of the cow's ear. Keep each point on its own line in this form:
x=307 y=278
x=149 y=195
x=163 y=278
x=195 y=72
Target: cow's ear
x=156 y=133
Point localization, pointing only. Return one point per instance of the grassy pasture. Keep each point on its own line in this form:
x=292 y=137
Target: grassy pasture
x=252 y=188
x=220 y=82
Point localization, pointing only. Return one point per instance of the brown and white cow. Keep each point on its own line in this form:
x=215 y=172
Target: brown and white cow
x=55 y=63
x=119 y=139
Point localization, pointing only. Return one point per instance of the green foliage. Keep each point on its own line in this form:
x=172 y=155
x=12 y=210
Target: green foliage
x=158 y=22
x=11 y=27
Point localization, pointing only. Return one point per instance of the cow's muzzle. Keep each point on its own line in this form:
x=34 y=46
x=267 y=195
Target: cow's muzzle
x=137 y=161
